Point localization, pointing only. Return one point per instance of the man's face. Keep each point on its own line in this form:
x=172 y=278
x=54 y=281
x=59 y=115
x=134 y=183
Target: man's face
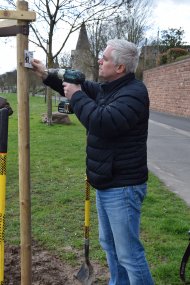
x=107 y=69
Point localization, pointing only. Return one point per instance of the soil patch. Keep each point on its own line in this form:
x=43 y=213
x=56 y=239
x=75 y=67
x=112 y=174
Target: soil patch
x=47 y=269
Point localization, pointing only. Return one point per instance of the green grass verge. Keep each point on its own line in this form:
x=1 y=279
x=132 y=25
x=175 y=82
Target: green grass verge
x=58 y=191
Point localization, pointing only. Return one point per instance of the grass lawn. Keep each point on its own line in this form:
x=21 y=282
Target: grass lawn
x=57 y=155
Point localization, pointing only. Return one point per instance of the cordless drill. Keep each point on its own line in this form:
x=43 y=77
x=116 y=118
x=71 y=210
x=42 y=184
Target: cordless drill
x=71 y=76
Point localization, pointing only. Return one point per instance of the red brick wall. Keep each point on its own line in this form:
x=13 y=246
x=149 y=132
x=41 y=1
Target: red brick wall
x=169 y=88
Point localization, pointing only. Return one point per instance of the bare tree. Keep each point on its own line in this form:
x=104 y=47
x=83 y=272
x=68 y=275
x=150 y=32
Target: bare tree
x=97 y=43
x=134 y=25
x=64 y=60
x=58 y=19
x=131 y=23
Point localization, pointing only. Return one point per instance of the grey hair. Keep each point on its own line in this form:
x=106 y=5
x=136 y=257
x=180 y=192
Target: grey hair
x=126 y=53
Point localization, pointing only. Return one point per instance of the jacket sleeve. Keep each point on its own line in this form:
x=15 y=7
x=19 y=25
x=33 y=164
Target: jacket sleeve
x=114 y=119
x=55 y=83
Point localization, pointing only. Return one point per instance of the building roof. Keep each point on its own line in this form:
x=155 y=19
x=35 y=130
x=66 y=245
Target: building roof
x=83 y=42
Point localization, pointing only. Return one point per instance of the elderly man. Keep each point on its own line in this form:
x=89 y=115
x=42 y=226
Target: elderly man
x=115 y=114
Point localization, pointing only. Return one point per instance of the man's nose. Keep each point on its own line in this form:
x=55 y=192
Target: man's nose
x=100 y=61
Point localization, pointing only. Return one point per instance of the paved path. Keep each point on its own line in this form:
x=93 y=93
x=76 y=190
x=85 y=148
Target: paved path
x=169 y=152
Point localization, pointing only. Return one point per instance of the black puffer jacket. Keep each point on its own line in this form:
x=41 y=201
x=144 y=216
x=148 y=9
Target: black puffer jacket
x=115 y=115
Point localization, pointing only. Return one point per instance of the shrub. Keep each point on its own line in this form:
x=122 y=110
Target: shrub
x=162 y=59
x=173 y=53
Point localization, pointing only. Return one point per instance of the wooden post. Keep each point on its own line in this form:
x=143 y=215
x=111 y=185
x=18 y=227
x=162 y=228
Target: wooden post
x=23 y=16
x=24 y=153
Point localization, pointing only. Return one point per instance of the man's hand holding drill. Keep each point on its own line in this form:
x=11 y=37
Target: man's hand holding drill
x=70 y=89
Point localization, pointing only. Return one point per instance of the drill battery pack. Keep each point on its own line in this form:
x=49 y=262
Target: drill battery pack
x=65 y=107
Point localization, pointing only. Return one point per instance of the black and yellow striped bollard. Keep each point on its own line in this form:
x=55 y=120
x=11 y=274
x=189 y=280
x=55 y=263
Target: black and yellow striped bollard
x=3 y=157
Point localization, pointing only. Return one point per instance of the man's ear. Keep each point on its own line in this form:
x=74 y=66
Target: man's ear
x=121 y=68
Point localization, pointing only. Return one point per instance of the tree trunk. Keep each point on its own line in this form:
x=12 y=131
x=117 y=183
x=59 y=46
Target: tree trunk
x=49 y=93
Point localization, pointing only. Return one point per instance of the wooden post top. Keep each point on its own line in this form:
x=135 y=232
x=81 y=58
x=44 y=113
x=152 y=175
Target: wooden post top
x=18 y=15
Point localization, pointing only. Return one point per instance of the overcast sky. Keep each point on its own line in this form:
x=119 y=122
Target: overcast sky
x=173 y=14
x=167 y=14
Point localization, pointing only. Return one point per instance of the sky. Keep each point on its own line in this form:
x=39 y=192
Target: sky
x=166 y=14
x=172 y=14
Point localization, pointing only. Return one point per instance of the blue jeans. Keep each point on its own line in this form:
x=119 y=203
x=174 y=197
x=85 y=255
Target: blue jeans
x=119 y=211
